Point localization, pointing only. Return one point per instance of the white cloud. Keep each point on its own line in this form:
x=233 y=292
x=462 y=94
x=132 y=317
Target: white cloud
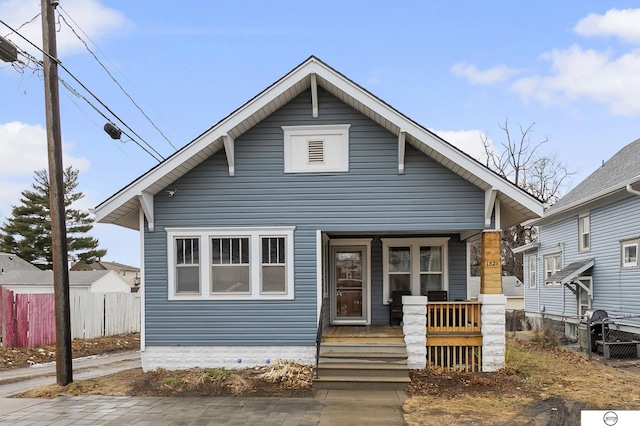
x=9 y=196
x=469 y=141
x=579 y=74
x=94 y=19
x=24 y=150
x=490 y=76
x=623 y=24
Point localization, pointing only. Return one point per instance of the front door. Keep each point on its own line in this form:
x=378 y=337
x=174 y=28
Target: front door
x=349 y=285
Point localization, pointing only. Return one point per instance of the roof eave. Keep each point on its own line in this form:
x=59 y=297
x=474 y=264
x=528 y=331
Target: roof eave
x=585 y=203
x=123 y=207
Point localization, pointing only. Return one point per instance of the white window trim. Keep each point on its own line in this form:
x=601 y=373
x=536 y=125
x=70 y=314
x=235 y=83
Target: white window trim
x=415 y=244
x=544 y=269
x=628 y=243
x=332 y=132
x=532 y=259
x=254 y=234
x=581 y=233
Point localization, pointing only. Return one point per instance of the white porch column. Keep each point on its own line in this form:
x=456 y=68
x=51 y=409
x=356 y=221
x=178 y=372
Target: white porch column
x=414 y=319
x=492 y=321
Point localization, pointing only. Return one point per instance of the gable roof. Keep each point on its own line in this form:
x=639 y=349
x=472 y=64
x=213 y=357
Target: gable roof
x=607 y=184
x=45 y=278
x=123 y=207
x=11 y=262
x=102 y=265
x=571 y=271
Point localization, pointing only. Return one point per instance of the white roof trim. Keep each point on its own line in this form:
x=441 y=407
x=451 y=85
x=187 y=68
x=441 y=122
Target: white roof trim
x=526 y=247
x=212 y=140
x=586 y=200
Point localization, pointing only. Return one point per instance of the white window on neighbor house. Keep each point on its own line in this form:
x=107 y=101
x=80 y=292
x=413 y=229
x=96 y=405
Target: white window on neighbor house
x=552 y=264
x=630 y=253
x=316 y=149
x=236 y=263
x=418 y=265
x=584 y=232
x=533 y=266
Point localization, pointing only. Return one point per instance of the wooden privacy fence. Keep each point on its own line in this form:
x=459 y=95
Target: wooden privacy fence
x=454 y=336
x=28 y=320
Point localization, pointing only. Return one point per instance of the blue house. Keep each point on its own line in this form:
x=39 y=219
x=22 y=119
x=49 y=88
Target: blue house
x=305 y=210
x=586 y=256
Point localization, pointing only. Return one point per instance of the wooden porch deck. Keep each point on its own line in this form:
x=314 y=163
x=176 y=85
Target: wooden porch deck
x=363 y=333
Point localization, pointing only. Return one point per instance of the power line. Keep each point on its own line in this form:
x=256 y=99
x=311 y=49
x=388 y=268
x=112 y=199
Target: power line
x=107 y=71
x=90 y=92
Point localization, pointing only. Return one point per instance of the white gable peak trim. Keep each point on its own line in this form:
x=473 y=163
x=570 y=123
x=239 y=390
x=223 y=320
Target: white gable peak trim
x=229 y=149
x=401 y=149
x=314 y=96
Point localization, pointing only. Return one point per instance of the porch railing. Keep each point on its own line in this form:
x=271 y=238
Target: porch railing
x=454 y=336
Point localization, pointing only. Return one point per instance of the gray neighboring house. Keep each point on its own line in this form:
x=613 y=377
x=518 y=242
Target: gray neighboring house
x=11 y=262
x=38 y=282
x=308 y=205
x=586 y=256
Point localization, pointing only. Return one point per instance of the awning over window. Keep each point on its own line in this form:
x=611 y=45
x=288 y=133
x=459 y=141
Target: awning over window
x=571 y=272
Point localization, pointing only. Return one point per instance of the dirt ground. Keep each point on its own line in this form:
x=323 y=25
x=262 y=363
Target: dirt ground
x=539 y=385
x=24 y=357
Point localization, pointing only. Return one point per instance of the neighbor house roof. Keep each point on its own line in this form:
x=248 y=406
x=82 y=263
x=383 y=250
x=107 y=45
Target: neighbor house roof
x=11 y=262
x=123 y=207
x=102 y=265
x=45 y=278
x=609 y=183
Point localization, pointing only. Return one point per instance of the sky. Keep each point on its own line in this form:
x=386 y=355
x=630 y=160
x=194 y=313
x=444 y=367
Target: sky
x=460 y=68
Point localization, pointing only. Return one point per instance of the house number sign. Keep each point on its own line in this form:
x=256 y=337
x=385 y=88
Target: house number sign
x=491 y=264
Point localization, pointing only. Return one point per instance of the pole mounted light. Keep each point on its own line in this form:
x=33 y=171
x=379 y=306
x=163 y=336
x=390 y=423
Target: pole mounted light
x=113 y=131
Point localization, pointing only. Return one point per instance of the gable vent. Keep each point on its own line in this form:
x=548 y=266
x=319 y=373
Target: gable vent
x=315 y=152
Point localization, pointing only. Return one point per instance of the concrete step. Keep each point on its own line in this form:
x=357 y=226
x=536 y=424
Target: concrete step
x=361 y=383
x=362 y=369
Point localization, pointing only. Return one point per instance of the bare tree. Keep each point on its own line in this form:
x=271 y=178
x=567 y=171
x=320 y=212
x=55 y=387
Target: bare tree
x=519 y=160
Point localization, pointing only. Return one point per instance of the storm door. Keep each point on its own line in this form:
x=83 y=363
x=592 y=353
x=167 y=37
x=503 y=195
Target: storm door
x=349 y=285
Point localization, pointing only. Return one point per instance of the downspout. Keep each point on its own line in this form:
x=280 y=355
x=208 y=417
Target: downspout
x=563 y=289
x=630 y=190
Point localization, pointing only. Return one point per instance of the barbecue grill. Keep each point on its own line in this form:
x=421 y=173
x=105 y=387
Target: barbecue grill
x=590 y=329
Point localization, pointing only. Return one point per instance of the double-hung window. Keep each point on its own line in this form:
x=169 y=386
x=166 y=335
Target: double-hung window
x=630 y=253
x=187 y=265
x=532 y=265
x=552 y=264
x=584 y=232
x=230 y=263
x=417 y=265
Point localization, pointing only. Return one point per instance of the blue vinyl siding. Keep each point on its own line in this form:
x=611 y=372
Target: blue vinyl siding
x=616 y=289
x=371 y=197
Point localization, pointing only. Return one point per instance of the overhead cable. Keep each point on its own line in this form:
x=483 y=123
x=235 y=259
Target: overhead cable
x=90 y=92
x=108 y=72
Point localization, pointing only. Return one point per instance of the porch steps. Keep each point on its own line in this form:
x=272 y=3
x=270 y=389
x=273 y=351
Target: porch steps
x=362 y=366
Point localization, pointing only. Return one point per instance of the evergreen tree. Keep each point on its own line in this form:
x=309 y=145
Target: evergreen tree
x=27 y=233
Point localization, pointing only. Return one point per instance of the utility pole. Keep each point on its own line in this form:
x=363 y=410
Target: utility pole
x=64 y=368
